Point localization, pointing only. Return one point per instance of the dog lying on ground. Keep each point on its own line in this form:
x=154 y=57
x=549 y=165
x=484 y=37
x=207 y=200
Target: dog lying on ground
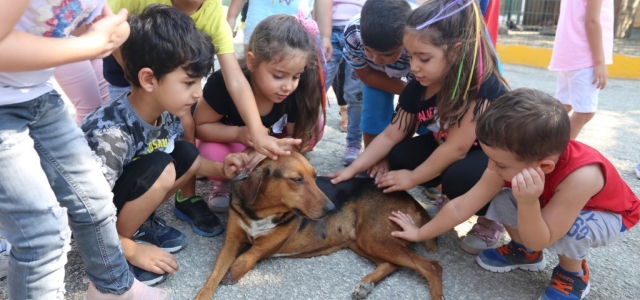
x=282 y=209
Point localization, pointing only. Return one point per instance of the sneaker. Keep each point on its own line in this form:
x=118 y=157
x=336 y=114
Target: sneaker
x=485 y=234
x=195 y=211
x=435 y=208
x=567 y=285
x=637 y=169
x=138 y=291
x=432 y=193
x=219 y=199
x=351 y=153
x=509 y=257
x=155 y=231
x=5 y=247
x=146 y=277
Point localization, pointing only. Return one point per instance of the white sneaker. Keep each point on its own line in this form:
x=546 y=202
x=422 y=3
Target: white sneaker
x=637 y=169
x=138 y=291
x=5 y=247
x=218 y=201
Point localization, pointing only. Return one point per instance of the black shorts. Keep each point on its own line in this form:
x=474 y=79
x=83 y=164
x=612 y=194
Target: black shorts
x=138 y=176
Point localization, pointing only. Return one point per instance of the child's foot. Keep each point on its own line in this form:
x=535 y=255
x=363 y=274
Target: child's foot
x=138 y=291
x=146 y=277
x=155 y=231
x=637 y=169
x=219 y=199
x=196 y=212
x=509 y=257
x=567 y=285
x=435 y=208
x=351 y=152
x=485 y=234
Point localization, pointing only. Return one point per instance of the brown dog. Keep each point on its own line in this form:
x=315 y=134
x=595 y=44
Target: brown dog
x=282 y=209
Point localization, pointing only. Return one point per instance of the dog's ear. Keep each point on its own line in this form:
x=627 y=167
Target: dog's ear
x=252 y=185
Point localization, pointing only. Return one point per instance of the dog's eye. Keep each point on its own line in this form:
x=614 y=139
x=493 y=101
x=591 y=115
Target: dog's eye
x=297 y=180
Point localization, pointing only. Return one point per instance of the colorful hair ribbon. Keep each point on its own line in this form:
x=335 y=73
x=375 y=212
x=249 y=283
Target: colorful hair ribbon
x=439 y=16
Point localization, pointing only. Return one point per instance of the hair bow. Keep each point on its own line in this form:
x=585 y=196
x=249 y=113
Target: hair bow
x=310 y=25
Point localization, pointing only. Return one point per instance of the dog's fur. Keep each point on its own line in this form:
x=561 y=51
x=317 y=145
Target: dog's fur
x=282 y=210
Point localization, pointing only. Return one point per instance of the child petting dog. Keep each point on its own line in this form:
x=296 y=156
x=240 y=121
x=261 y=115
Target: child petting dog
x=282 y=67
x=137 y=138
x=548 y=190
x=456 y=77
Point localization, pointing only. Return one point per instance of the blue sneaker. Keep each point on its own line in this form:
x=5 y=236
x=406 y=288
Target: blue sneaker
x=146 y=277
x=566 y=285
x=155 y=231
x=509 y=257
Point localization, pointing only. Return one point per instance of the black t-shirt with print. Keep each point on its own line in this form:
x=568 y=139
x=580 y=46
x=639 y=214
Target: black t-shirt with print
x=215 y=93
x=411 y=99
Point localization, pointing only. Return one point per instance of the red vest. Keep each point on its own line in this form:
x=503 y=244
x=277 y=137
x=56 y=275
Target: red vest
x=615 y=196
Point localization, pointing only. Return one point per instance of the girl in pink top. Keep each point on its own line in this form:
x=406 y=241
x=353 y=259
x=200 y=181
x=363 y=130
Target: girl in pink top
x=582 y=49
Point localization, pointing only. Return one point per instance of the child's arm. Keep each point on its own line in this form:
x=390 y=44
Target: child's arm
x=380 y=80
x=594 y=37
x=243 y=98
x=459 y=141
x=231 y=166
x=377 y=150
x=22 y=51
x=541 y=228
x=235 y=7
x=210 y=129
x=453 y=213
x=322 y=12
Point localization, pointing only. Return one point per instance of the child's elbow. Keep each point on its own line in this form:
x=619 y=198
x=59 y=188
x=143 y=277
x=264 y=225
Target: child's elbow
x=592 y=23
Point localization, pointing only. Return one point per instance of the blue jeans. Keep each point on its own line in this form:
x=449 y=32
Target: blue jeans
x=377 y=110
x=51 y=183
x=352 y=86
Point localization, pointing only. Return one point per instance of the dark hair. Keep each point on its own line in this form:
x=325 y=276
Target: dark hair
x=457 y=36
x=163 y=38
x=272 y=40
x=382 y=23
x=528 y=123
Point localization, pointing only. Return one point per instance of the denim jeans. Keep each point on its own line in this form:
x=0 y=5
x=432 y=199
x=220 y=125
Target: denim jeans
x=51 y=183
x=352 y=86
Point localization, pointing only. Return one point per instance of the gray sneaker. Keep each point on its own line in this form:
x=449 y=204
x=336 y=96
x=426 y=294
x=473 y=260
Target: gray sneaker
x=485 y=234
x=218 y=201
x=351 y=153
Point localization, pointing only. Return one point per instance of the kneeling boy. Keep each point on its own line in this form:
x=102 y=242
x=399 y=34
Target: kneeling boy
x=561 y=195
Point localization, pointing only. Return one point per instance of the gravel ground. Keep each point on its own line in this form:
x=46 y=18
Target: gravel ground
x=615 y=130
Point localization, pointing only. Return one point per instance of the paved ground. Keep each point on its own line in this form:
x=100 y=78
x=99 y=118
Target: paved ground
x=615 y=131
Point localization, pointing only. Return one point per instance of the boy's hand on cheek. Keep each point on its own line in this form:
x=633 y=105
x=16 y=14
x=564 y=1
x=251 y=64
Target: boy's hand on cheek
x=527 y=186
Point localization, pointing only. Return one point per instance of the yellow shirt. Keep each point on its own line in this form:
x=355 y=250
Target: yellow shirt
x=209 y=19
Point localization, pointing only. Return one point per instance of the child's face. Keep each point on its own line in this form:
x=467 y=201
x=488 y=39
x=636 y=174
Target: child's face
x=505 y=163
x=277 y=80
x=428 y=62
x=383 y=58
x=177 y=92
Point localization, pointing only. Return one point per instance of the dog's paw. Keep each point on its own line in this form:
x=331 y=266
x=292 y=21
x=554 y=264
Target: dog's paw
x=362 y=290
x=227 y=279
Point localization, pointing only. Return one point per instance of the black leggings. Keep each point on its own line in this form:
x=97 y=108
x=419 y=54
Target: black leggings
x=338 y=84
x=456 y=180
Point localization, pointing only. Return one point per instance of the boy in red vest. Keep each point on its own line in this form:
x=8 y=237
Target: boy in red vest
x=548 y=191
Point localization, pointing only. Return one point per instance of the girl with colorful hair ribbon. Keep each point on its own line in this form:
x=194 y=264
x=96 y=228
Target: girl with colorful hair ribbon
x=456 y=77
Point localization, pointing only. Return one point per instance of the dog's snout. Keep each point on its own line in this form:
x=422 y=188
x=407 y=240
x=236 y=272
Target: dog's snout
x=329 y=207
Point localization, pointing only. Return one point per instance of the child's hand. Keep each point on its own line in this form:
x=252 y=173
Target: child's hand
x=600 y=76
x=341 y=175
x=327 y=48
x=271 y=147
x=527 y=186
x=109 y=31
x=233 y=164
x=379 y=169
x=409 y=229
x=399 y=180
x=153 y=259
